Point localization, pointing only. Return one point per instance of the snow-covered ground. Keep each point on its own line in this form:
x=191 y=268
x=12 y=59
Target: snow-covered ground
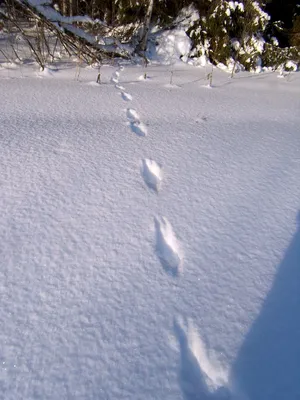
x=149 y=235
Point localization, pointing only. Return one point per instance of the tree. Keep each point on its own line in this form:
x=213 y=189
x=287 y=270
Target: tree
x=142 y=46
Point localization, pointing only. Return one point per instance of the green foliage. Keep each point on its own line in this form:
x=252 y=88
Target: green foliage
x=225 y=22
x=232 y=32
x=228 y=32
x=276 y=57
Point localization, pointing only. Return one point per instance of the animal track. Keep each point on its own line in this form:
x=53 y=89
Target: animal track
x=139 y=128
x=167 y=246
x=126 y=96
x=200 y=378
x=152 y=174
x=115 y=77
x=132 y=115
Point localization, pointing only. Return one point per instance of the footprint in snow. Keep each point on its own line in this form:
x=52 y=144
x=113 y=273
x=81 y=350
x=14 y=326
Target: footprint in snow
x=152 y=174
x=115 y=77
x=139 y=128
x=167 y=246
x=200 y=377
x=132 y=115
x=126 y=96
x=119 y=87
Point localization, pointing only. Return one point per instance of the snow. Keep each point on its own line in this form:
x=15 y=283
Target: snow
x=62 y=22
x=264 y=17
x=112 y=289
x=235 y=44
x=241 y=7
x=291 y=66
x=172 y=45
x=274 y=41
x=201 y=61
x=231 y=67
x=152 y=174
x=52 y=13
x=187 y=17
x=233 y=5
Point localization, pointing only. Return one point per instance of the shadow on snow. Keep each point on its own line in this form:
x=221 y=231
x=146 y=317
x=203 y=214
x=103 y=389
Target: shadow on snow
x=267 y=366
x=268 y=363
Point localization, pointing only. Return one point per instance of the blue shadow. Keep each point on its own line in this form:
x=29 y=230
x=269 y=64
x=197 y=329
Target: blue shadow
x=268 y=364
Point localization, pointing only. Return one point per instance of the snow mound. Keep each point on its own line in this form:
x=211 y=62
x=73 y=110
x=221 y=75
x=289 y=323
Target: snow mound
x=173 y=45
x=291 y=66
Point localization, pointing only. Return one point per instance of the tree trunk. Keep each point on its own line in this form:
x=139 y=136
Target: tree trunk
x=142 y=46
x=64 y=7
x=71 y=6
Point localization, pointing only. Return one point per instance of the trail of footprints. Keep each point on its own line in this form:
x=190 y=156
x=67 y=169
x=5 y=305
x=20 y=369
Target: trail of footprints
x=167 y=246
x=199 y=378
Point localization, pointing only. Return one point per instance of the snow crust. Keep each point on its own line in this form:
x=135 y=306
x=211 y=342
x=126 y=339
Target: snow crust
x=112 y=290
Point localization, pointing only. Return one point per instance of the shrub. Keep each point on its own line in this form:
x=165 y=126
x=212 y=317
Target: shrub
x=231 y=32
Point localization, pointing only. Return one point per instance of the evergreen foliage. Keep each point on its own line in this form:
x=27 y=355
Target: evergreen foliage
x=245 y=33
